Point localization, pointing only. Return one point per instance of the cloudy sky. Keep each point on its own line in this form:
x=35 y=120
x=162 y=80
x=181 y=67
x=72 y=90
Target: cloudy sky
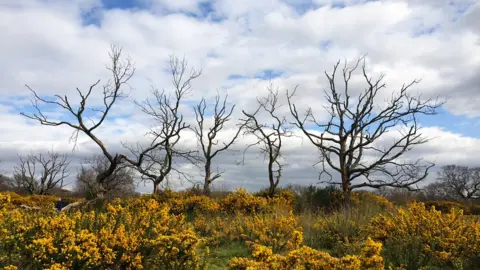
x=55 y=46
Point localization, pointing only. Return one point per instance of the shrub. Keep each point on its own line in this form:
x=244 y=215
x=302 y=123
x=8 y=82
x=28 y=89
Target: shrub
x=371 y=200
x=342 y=231
x=193 y=204
x=312 y=198
x=446 y=206
x=418 y=237
x=475 y=209
x=330 y=198
x=136 y=233
x=242 y=201
x=274 y=230
x=305 y=257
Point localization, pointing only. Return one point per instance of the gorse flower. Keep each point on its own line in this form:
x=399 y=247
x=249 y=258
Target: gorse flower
x=177 y=230
x=135 y=234
x=440 y=238
x=304 y=257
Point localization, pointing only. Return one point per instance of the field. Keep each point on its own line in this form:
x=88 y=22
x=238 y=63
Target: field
x=236 y=231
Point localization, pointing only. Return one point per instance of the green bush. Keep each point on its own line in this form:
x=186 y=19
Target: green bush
x=313 y=198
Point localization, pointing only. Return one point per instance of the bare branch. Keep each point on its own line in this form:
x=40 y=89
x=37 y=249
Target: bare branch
x=348 y=140
x=40 y=174
x=122 y=71
x=157 y=160
x=119 y=183
x=460 y=182
x=268 y=136
x=207 y=137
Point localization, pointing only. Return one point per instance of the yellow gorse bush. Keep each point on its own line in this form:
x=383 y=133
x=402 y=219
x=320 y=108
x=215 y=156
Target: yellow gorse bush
x=270 y=229
x=304 y=257
x=243 y=201
x=134 y=234
x=199 y=204
x=44 y=201
x=175 y=230
x=443 y=238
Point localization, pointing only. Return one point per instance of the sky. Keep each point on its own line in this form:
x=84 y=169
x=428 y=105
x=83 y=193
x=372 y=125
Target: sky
x=55 y=46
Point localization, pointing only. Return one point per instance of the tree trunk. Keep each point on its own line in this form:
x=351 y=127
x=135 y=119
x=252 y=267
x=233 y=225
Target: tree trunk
x=155 y=188
x=208 y=180
x=346 y=187
x=101 y=191
x=271 y=190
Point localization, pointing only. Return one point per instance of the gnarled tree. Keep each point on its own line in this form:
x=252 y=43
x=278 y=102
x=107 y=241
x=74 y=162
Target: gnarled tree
x=121 y=71
x=39 y=174
x=119 y=183
x=269 y=136
x=460 y=182
x=156 y=161
x=207 y=137
x=349 y=141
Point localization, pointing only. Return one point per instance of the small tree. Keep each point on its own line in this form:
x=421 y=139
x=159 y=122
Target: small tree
x=157 y=160
x=119 y=183
x=348 y=140
x=460 y=182
x=207 y=138
x=39 y=174
x=121 y=72
x=268 y=136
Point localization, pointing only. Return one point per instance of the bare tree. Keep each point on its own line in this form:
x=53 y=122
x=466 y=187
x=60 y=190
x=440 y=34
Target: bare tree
x=268 y=136
x=348 y=141
x=460 y=182
x=39 y=174
x=207 y=138
x=156 y=161
x=437 y=191
x=122 y=71
x=119 y=183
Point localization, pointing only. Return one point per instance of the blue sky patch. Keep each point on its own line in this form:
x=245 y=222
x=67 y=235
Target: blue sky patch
x=326 y=44
x=458 y=124
x=237 y=77
x=268 y=74
x=423 y=31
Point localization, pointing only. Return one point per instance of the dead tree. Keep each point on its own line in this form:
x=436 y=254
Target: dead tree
x=269 y=137
x=460 y=182
x=119 y=183
x=349 y=140
x=122 y=71
x=39 y=174
x=156 y=161
x=207 y=138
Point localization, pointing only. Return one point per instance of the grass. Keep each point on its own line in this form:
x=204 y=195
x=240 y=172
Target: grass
x=219 y=256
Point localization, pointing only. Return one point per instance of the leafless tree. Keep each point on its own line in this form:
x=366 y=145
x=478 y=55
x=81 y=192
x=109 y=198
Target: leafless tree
x=122 y=71
x=460 y=182
x=119 y=183
x=39 y=174
x=207 y=138
x=156 y=161
x=268 y=136
x=437 y=191
x=348 y=141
